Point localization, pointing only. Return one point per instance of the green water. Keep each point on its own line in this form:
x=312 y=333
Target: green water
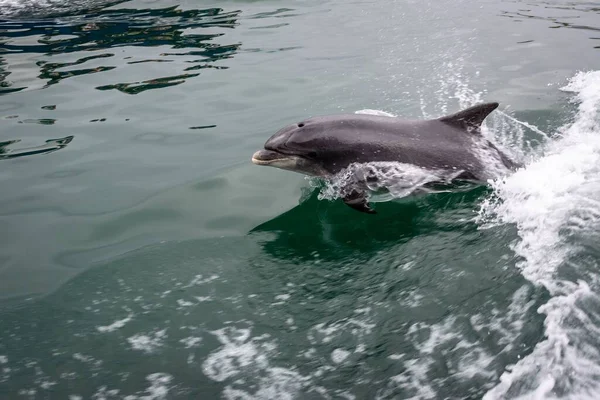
x=144 y=255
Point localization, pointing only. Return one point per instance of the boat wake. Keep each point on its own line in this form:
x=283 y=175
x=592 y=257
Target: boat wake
x=553 y=202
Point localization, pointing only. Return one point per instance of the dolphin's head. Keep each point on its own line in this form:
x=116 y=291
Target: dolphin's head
x=324 y=145
x=295 y=148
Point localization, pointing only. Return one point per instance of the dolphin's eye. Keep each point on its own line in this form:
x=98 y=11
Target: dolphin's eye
x=300 y=125
x=312 y=154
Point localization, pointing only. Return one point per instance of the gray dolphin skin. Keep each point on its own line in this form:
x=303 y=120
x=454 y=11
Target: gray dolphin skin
x=323 y=146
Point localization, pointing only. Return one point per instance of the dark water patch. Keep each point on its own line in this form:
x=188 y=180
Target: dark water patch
x=212 y=53
x=203 y=127
x=61 y=174
x=276 y=50
x=41 y=121
x=55 y=77
x=213 y=183
x=50 y=107
x=8 y=150
x=205 y=66
x=274 y=13
x=147 y=61
x=139 y=87
x=396 y=222
x=48 y=70
x=269 y=26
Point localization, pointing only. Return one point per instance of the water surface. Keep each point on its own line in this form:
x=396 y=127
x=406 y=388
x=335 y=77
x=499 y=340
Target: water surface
x=144 y=256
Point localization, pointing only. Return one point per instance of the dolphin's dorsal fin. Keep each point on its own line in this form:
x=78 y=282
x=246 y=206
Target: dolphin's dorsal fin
x=470 y=118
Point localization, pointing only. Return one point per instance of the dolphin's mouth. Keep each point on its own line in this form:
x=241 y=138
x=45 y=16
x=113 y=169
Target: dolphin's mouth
x=267 y=157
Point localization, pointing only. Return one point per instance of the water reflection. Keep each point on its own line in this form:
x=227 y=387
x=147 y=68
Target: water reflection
x=100 y=32
x=324 y=228
x=39 y=9
x=7 y=151
x=567 y=15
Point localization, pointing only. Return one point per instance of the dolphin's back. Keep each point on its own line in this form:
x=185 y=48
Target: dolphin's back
x=326 y=145
x=367 y=138
x=451 y=142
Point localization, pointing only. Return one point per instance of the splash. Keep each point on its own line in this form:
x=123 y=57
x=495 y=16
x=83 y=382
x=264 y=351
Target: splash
x=380 y=113
x=385 y=181
x=553 y=203
x=518 y=139
x=388 y=180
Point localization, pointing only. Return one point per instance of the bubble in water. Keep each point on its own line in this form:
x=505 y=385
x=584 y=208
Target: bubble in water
x=553 y=204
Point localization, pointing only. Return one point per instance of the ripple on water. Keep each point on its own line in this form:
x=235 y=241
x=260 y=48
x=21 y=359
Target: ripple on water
x=63 y=46
x=9 y=149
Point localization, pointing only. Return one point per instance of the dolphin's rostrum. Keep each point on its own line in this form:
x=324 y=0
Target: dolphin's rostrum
x=323 y=146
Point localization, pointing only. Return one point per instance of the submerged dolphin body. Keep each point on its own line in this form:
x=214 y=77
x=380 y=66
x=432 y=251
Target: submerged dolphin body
x=323 y=146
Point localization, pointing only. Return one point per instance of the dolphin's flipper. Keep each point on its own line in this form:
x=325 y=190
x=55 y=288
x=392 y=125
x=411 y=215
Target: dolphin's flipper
x=358 y=200
x=470 y=118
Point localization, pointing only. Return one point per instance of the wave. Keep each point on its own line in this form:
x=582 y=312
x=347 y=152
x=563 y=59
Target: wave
x=553 y=202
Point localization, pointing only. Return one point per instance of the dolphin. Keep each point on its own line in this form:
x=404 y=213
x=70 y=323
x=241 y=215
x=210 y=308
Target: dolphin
x=325 y=145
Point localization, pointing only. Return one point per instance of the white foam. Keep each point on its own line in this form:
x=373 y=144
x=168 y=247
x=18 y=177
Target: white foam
x=247 y=357
x=87 y=359
x=239 y=351
x=322 y=333
x=339 y=355
x=506 y=323
x=466 y=357
x=552 y=202
x=5 y=371
x=200 y=280
x=148 y=343
x=414 y=299
x=191 y=341
x=115 y=325
x=184 y=303
x=279 y=383
x=415 y=377
x=103 y=393
x=158 y=390
x=45 y=384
